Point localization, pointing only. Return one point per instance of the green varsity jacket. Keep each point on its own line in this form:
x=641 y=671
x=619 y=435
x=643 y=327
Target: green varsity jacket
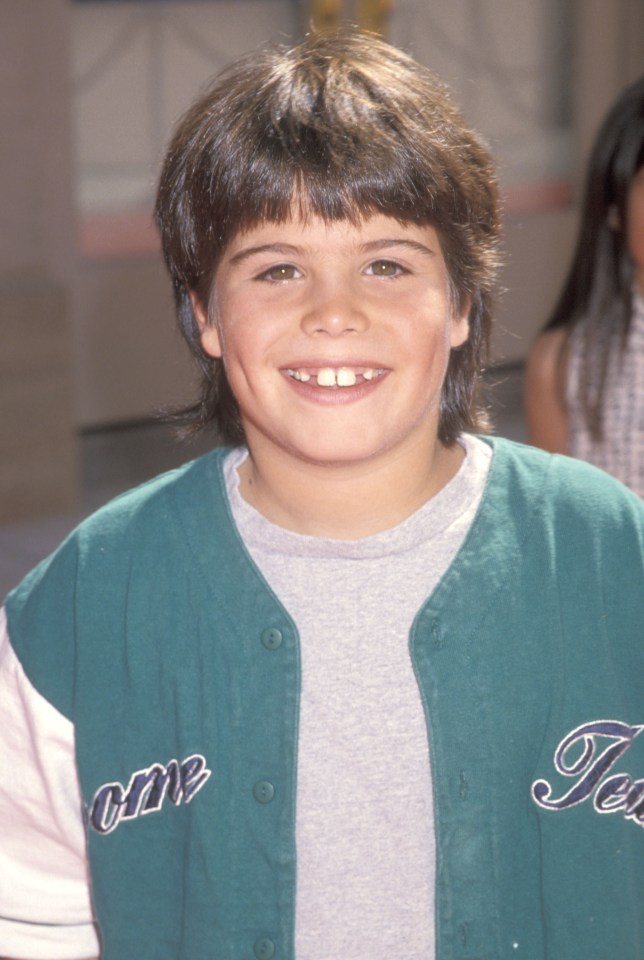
x=154 y=633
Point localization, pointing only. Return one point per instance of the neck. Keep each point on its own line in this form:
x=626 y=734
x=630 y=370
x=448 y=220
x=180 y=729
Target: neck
x=347 y=501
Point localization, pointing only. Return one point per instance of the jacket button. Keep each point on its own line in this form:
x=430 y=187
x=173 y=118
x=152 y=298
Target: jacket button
x=264 y=949
x=264 y=791
x=272 y=638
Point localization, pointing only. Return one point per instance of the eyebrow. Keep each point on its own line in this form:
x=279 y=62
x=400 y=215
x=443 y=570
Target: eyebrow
x=247 y=252
x=289 y=249
x=374 y=245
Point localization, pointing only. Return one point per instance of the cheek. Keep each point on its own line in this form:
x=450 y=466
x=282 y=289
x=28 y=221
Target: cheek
x=224 y=336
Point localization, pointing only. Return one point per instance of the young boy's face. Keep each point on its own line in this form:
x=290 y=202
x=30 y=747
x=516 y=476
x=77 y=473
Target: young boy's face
x=335 y=337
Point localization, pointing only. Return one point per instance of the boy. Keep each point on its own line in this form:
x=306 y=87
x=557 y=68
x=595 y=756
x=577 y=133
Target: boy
x=364 y=685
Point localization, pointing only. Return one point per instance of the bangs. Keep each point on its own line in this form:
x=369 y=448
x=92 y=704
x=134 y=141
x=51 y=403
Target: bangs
x=275 y=188
x=334 y=168
x=341 y=137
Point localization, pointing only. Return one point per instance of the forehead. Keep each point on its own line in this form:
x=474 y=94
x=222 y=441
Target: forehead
x=305 y=229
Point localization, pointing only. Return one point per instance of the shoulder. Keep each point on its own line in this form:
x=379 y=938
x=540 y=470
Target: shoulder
x=547 y=353
x=154 y=501
x=562 y=488
x=144 y=515
x=545 y=390
x=546 y=363
x=145 y=523
x=141 y=541
x=563 y=521
x=546 y=349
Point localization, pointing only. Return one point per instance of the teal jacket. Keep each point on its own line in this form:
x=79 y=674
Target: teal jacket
x=154 y=633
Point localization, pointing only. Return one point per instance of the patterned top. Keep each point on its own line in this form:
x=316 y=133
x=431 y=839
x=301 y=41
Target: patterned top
x=621 y=452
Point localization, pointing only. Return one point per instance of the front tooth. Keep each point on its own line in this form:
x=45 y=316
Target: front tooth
x=326 y=377
x=346 y=377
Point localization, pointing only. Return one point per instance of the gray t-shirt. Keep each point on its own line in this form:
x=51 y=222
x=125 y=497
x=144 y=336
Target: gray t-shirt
x=364 y=822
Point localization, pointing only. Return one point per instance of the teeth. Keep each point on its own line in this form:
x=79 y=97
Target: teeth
x=329 y=377
x=326 y=377
x=345 y=377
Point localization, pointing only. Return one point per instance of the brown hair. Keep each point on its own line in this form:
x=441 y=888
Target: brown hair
x=598 y=291
x=354 y=126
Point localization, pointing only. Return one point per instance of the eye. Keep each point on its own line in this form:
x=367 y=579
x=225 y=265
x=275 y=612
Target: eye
x=280 y=272
x=385 y=268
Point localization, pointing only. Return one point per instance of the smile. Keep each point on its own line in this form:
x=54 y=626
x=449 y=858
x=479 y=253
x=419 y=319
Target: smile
x=333 y=378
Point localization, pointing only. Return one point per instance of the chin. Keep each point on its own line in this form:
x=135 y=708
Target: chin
x=338 y=454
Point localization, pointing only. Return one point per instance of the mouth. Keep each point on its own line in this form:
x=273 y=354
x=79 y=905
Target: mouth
x=335 y=377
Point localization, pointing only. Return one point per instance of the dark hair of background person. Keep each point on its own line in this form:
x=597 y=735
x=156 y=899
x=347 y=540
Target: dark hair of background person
x=344 y=125
x=599 y=285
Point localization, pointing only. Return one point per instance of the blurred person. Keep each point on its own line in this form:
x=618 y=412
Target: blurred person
x=584 y=387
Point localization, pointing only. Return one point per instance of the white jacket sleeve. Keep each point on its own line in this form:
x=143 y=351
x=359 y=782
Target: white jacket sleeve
x=45 y=903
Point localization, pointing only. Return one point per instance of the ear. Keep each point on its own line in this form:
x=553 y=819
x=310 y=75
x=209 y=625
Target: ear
x=209 y=333
x=460 y=325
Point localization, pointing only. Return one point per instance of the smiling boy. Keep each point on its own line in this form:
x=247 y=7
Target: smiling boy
x=361 y=683
x=335 y=338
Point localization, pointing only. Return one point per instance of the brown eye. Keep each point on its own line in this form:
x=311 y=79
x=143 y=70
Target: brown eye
x=385 y=268
x=283 y=271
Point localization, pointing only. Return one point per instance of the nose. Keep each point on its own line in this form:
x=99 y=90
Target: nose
x=334 y=310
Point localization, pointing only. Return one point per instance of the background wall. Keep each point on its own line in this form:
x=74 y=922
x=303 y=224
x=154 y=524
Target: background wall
x=90 y=91
x=38 y=406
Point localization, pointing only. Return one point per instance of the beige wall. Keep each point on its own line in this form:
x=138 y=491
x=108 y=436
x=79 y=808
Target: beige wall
x=37 y=416
x=130 y=358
